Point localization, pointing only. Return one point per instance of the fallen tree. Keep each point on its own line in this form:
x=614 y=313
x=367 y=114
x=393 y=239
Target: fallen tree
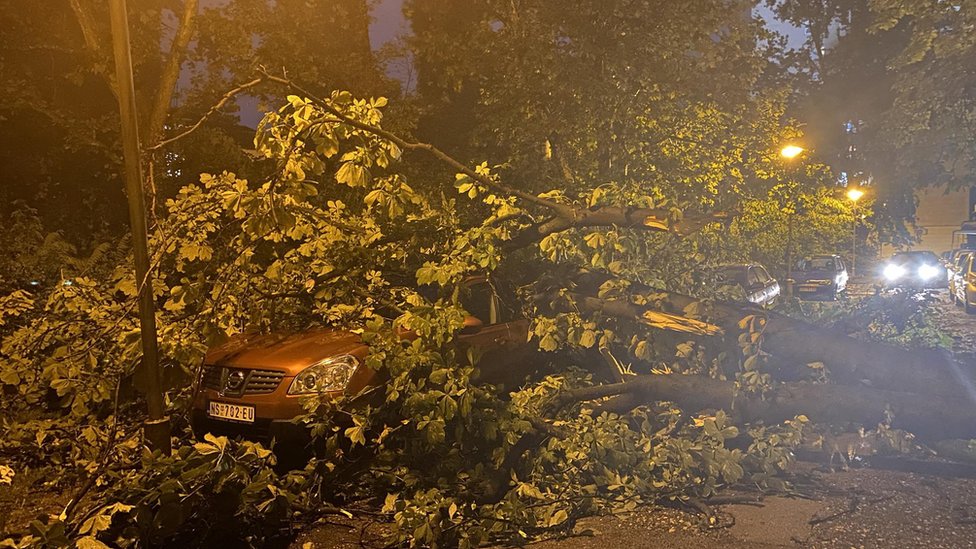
x=931 y=419
x=456 y=458
x=791 y=343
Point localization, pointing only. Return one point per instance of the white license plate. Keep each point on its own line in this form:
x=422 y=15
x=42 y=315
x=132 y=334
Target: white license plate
x=233 y=412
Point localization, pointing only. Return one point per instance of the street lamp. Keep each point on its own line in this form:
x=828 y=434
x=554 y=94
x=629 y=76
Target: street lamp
x=854 y=194
x=790 y=152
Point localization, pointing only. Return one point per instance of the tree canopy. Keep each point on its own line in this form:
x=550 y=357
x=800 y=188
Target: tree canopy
x=593 y=164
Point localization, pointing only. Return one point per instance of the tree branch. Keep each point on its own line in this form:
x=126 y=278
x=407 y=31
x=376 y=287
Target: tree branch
x=565 y=216
x=90 y=34
x=649 y=317
x=217 y=106
x=170 y=74
x=655 y=219
x=561 y=210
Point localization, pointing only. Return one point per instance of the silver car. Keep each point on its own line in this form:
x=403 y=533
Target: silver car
x=759 y=287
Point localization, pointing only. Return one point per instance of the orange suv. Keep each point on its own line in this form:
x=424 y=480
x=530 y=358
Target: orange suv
x=253 y=385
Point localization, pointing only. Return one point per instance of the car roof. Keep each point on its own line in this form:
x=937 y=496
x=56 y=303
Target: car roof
x=738 y=266
x=913 y=256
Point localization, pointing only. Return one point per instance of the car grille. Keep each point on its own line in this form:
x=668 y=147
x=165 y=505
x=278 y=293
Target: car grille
x=256 y=381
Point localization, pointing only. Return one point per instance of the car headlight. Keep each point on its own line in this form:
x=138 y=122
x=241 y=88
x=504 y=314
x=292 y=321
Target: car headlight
x=331 y=374
x=894 y=272
x=928 y=271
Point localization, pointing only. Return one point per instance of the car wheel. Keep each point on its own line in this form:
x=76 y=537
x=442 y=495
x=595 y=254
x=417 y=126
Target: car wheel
x=970 y=309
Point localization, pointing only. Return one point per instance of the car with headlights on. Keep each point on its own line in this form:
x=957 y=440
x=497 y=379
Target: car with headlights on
x=916 y=269
x=820 y=276
x=254 y=385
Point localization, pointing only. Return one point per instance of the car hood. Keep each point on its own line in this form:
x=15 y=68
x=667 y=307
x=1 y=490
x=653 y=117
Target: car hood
x=815 y=275
x=289 y=352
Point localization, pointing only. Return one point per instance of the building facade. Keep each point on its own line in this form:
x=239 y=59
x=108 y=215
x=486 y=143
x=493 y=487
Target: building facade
x=940 y=212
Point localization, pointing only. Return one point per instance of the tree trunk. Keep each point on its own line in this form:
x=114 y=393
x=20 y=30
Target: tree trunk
x=795 y=343
x=929 y=418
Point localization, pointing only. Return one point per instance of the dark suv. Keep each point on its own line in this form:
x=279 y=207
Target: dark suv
x=916 y=270
x=253 y=385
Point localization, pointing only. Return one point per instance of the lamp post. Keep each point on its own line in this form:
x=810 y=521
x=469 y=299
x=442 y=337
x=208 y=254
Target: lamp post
x=157 y=427
x=790 y=152
x=854 y=195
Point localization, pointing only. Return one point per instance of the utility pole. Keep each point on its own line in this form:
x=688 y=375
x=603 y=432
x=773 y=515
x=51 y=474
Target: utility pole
x=156 y=430
x=789 y=253
x=854 y=241
x=854 y=194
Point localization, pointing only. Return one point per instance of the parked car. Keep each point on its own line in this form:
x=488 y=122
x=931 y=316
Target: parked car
x=949 y=258
x=964 y=282
x=253 y=385
x=920 y=269
x=822 y=276
x=954 y=271
x=754 y=280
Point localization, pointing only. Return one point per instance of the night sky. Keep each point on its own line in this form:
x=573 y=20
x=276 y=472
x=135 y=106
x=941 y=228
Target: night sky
x=388 y=24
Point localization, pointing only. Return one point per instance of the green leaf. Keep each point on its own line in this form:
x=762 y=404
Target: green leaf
x=89 y=542
x=356 y=434
x=96 y=524
x=558 y=517
x=352 y=174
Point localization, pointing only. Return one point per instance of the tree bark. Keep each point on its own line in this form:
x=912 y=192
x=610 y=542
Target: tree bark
x=170 y=75
x=795 y=343
x=792 y=343
x=929 y=418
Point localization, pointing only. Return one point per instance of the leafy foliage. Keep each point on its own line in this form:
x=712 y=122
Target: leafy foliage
x=820 y=221
x=340 y=230
x=211 y=490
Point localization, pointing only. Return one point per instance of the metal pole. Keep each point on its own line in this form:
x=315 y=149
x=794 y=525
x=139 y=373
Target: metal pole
x=854 y=240
x=789 y=256
x=157 y=429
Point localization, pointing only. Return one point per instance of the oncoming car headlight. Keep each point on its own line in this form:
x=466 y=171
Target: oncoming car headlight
x=928 y=271
x=894 y=272
x=331 y=374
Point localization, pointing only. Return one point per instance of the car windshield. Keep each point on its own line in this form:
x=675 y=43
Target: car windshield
x=817 y=264
x=733 y=274
x=903 y=258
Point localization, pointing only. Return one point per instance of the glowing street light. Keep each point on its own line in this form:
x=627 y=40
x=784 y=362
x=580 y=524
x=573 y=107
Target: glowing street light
x=855 y=194
x=791 y=151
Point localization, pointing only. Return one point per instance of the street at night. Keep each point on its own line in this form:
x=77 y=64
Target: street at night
x=488 y=273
